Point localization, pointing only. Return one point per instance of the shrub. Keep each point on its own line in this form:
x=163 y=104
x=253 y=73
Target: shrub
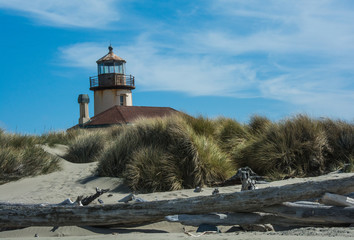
x=294 y=147
x=177 y=146
x=152 y=169
x=16 y=163
x=214 y=164
x=229 y=134
x=159 y=132
x=86 y=147
x=201 y=125
x=61 y=137
x=17 y=140
x=259 y=124
x=340 y=137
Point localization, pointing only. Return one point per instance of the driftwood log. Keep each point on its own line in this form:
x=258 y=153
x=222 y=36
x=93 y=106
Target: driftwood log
x=294 y=214
x=20 y=215
x=337 y=200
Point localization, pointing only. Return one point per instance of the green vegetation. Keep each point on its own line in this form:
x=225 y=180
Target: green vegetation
x=61 y=137
x=181 y=151
x=21 y=156
x=164 y=154
x=294 y=147
x=86 y=146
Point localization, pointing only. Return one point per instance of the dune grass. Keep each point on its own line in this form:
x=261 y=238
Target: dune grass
x=60 y=137
x=21 y=156
x=86 y=146
x=185 y=152
x=294 y=147
x=186 y=159
x=340 y=136
x=181 y=151
x=152 y=169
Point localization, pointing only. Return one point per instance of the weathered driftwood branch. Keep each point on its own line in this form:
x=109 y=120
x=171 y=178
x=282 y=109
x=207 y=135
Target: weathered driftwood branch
x=337 y=200
x=230 y=219
x=320 y=214
x=87 y=200
x=292 y=214
x=17 y=215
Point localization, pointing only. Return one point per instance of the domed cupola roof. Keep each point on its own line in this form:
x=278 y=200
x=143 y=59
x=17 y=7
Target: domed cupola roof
x=110 y=56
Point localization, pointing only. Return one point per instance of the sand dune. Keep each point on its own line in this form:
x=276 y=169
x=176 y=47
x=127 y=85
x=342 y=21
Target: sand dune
x=80 y=179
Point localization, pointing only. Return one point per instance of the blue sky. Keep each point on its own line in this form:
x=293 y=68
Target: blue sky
x=212 y=57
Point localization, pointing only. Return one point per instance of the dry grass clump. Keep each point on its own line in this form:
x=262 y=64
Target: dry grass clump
x=17 y=140
x=86 y=147
x=201 y=125
x=258 y=124
x=184 y=152
x=153 y=169
x=214 y=164
x=164 y=154
x=340 y=137
x=164 y=133
x=294 y=147
x=60 y=137
x=21 y=156
x=230 y=134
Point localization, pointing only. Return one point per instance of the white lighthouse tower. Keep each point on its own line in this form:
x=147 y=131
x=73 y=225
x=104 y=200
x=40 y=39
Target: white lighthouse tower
x=112 y=86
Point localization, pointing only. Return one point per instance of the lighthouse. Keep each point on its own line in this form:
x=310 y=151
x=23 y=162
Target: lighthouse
x=111 y=87
x=113 y=103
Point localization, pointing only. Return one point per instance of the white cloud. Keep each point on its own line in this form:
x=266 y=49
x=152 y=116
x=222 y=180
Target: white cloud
x=68 y=13
x=82 y=55
x=282 y=27
x=305 y=47
x=194 y=75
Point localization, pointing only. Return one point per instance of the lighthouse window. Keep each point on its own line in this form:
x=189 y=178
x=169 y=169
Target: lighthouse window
x=100 y=68
x=121 y=100
x=111 y=67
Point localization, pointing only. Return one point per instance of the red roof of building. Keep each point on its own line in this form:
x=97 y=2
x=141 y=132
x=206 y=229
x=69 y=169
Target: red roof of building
x=127 y=114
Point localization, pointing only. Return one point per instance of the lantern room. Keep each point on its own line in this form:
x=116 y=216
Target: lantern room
x=111 y=86
x=115 y=65
x=111 y=73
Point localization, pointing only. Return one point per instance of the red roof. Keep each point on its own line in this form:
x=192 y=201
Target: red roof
x=127 y=114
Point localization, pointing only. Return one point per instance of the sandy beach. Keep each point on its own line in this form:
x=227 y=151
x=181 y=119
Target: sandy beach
x=80 y=179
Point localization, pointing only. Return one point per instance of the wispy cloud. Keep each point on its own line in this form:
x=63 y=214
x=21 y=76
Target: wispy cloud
x=298 y=52
x=195 y=75
x=73 y=13
x=83 y=55
x=281 y=27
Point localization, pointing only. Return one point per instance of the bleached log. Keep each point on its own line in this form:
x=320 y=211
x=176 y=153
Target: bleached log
x=19 y=215
x=337 y=200
x=230 y=219
x=287 y=214
x=321 y=214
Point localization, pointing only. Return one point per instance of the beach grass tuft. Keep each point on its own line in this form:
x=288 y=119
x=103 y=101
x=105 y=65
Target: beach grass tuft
x=294 y=147
x=22 y=156
x=184 y=155
x=86 y=146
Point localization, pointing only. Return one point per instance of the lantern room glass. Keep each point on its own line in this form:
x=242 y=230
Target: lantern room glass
x=111 y=67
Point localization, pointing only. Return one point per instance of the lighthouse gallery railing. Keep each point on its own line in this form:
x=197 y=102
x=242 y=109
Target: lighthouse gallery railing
x=112 y=80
